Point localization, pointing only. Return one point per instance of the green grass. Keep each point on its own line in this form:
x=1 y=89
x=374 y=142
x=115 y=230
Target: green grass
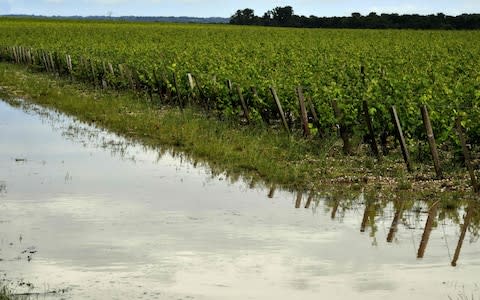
x=405 y=68
x=257 y=153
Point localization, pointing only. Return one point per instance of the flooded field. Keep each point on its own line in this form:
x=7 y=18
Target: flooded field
x=89 y=215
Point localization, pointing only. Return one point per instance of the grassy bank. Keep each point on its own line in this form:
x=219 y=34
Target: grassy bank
x=257 y=153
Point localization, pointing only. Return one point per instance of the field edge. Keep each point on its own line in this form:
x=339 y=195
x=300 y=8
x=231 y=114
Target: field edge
x=257 y=155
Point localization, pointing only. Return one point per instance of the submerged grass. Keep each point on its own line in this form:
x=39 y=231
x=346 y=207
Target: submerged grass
x=254 y=152
x=4 y=294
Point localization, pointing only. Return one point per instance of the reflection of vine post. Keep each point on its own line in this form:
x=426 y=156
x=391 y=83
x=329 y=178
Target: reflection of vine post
x=394 y=226
x=335 y=209
x=271 y=193
x=465 y=225
x=298 y=202
x=365 y=217
x=309 y=200
x=432 y=214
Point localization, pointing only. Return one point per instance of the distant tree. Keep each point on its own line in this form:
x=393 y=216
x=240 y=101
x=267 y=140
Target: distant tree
x=243 y=17
x=284 y=16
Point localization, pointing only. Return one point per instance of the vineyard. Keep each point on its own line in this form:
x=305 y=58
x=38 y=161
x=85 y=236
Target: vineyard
x=258 y=75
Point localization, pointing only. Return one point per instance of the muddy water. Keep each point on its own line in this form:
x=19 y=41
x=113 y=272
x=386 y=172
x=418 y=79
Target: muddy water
x=88 y=215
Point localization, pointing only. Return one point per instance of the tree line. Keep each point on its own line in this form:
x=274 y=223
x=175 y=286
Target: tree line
x=285 y=17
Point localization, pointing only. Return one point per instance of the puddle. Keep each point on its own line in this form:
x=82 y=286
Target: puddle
x=88 y=215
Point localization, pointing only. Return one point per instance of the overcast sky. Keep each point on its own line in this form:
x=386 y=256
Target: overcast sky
x=225 y=8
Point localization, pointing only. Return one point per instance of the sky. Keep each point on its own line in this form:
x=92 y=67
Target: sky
x=225 y=8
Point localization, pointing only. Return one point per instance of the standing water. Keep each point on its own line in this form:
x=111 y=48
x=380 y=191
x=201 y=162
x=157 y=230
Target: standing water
x=86 y=214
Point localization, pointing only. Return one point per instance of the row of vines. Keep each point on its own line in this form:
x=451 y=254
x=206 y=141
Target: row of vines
x=212 y=65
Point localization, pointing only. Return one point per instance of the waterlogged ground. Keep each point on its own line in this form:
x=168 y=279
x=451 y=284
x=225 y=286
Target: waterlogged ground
x=88 y=215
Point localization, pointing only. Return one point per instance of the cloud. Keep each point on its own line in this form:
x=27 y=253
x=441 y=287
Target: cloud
x=106 y=2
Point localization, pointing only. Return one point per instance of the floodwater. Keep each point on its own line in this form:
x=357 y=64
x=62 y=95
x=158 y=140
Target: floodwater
x=88 y=215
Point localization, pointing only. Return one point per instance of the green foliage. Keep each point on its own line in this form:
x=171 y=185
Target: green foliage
x=384 y=67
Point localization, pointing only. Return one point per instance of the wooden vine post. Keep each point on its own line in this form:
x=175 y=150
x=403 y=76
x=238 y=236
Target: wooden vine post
x=401 y=138
x=280 y=109
x=431 y=140
x=371 y=132
x=93 y=73
x=68 y=59
x=191 y=85
x=24 y=55
x=104 y=76
x=130 y=71
x=230 y=90
x=157 y=84
x=206 y=100
x=29 y=56
x=58 y=63
x=229 y=85
x=347 y=148
x=243 y=103
x=110 y=68
x=466 y=154
x=303 y=112
x=15 y=56
x=316 y=120
x=177 y=92
x=121 y=71
x=20 y=52
x=45 y=62
x=52 y=63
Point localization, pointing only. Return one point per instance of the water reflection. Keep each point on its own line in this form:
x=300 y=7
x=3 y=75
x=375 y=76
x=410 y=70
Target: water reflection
x=432 y=215
x=271 y=192
x=98 y=216
x=309 y=200
x=466 y=223
x=399 y=206
x=3 y=188
x=406 y=212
